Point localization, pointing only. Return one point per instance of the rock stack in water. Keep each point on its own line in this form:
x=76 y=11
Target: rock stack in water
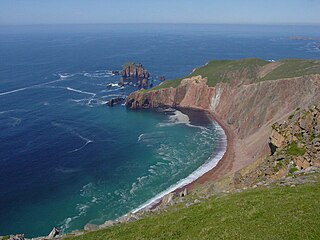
x=135 y=72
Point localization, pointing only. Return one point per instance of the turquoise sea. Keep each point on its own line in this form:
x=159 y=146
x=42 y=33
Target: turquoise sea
x=66 y=159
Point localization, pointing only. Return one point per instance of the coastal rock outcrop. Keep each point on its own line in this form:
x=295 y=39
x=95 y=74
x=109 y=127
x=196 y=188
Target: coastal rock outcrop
x=55 y=232
x=135 y=72
x=115 y=101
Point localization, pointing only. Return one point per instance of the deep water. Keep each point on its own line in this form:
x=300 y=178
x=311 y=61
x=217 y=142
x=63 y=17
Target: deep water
x=66 y=159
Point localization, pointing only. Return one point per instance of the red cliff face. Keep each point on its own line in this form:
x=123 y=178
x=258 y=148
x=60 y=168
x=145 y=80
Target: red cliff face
x=248 y=110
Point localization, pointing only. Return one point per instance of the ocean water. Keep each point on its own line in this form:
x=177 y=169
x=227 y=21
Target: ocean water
x=66 y=159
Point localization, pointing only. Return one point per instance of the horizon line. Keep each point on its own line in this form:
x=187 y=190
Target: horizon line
x=169 y=23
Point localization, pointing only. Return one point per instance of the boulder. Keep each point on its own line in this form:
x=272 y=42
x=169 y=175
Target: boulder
x=116 y=73
x=17 y=237
x=162 y=78
x=168 y=199
x=54 y=232
x=107 y=224
x=277 y=139
x=91 y=227
x=115 y=101
x=184 y=193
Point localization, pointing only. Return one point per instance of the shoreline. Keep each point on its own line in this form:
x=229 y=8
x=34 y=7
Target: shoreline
x=200 y=175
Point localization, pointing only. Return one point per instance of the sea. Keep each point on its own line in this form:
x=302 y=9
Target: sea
x=67 y=159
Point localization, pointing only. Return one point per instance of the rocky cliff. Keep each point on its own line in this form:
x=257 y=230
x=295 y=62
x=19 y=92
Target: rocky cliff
x=247 y=104
x=135 y=72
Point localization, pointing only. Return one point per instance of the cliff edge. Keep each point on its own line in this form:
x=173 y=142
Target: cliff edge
x=246 y=96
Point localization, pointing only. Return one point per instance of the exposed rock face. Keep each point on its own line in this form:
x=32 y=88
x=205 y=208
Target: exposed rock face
x=55 y=232
x=248 y=109
x=298 y=152
x=115 y=101
x=135 y=72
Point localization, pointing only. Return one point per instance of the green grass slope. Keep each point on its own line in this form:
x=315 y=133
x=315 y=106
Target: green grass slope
x=294 y=68
x=225 y=70
x=276 y=213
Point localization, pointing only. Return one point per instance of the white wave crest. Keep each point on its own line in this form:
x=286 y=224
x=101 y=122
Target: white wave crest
x=87 y=141
x=79 y=91
x=206 y=167
x=178 y=118
x=29 y=87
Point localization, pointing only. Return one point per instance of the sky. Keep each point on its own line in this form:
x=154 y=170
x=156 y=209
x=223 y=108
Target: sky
x=28 y=12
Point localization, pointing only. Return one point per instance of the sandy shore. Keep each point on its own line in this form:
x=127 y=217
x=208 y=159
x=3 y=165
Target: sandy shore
x=225 y=165
x=222 y=167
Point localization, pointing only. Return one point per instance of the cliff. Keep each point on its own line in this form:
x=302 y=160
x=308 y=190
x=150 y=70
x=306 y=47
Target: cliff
x=246 y=96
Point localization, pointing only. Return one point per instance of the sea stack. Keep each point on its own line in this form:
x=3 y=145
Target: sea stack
x=135 y=72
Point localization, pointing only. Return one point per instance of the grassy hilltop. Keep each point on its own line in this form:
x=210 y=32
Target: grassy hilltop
x=277 y=213
x=226 y=70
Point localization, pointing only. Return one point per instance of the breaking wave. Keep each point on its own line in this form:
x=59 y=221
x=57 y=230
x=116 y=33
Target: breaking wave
x=206 y=167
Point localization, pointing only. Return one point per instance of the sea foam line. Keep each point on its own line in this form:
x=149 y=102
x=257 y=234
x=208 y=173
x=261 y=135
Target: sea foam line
x=85 y=139
x=206 y=167
x=30 y=87
x=79 y=91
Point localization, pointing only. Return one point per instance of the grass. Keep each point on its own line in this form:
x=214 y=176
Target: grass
x=294 y=68
x=226 y=70
x=221 y=71
x=276 y=213
x=294 y=150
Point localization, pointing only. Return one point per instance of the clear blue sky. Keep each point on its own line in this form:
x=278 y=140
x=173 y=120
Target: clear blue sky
x=159 y=11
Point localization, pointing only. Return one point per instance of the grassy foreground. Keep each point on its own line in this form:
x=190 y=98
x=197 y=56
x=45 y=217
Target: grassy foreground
x=277 y=213
x=226 y=70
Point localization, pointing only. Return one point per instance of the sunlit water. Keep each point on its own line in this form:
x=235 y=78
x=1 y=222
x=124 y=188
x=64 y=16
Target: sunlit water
x=66 y=159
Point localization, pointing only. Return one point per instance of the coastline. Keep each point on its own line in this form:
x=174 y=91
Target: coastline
x=224 y=166
x=218 y=160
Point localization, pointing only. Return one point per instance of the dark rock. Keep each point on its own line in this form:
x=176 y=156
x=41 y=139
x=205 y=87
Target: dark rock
x=116 y=73
x=162 y=78
x=54 y=232
x=134 y=72
x=184 y=193
x=17 y=237
x=115 y=101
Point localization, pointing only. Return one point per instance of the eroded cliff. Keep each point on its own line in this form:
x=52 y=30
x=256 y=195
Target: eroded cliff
x=245 y=107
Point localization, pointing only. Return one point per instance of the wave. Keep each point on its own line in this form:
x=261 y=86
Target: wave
x=177 y=117
x=13 y=91
x=79 y=91
x=66 y=75
x=87 y=141
x=72 y=131
x=105 y=74
x=67 y=170
x=13 y=110
x=206 y=167
x=29 y=87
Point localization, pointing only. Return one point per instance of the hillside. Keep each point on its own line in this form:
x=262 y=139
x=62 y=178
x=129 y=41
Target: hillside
x=262 y=213
x=249 y=70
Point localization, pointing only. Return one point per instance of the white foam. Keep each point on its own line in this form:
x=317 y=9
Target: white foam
x=178 y=118
x=98 y=74
x=79 y=91
x=87 y=141
x=140 y=137
x=206 y=167
x=13 y=91
x=25 y=88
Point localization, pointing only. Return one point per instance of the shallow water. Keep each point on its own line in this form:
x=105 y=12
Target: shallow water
x=65 y=158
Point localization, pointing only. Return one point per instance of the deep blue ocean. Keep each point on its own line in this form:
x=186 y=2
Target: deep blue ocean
x=66 y=159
